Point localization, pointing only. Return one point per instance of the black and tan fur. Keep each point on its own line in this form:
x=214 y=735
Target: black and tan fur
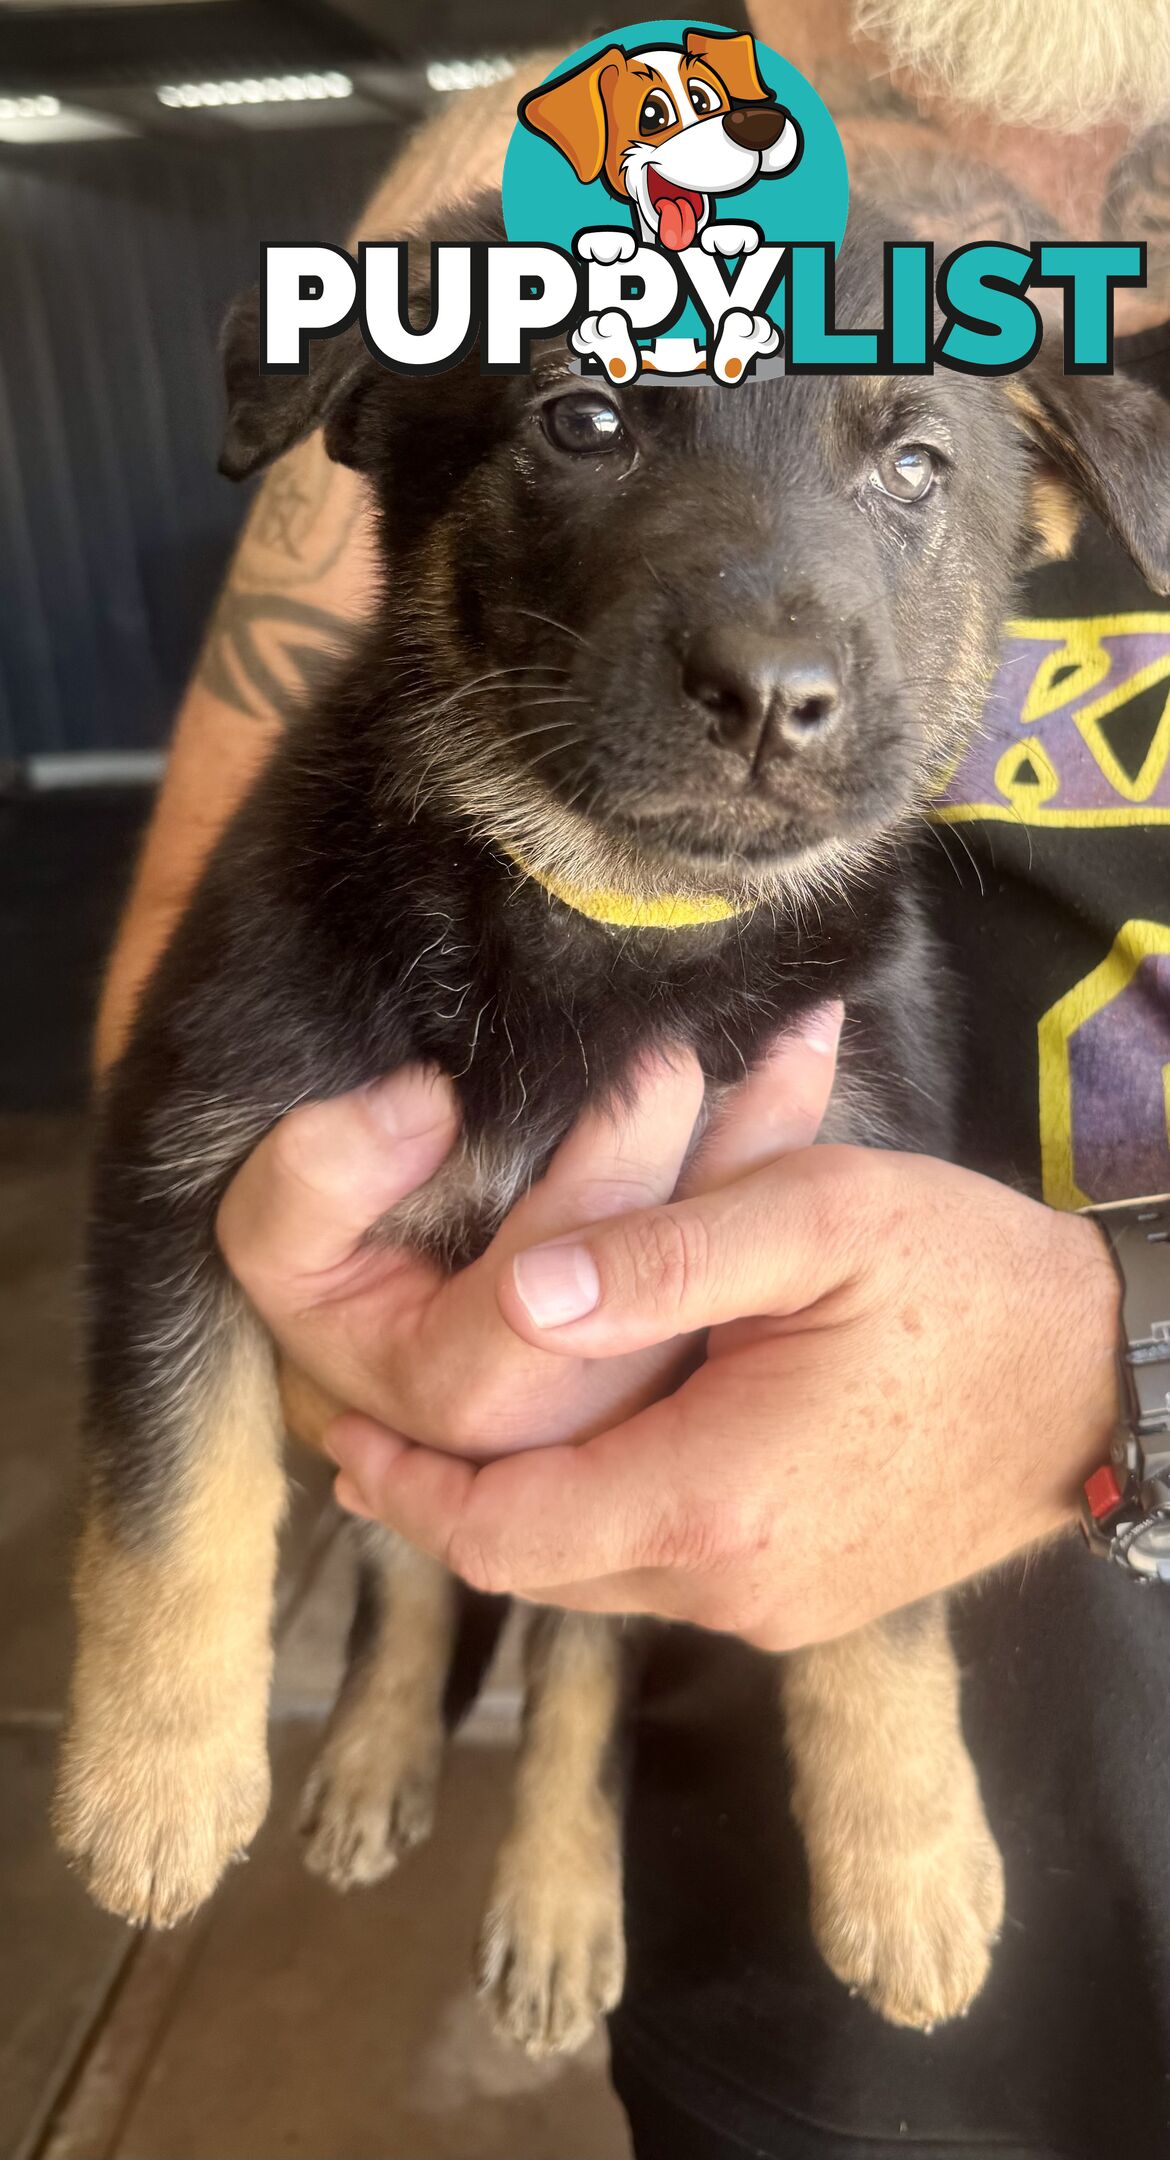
x=522 y=685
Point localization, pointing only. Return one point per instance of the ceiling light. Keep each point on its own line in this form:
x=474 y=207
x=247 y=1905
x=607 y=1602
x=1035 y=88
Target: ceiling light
x=467 y=74
x=255 y=90
x=29 y=108
x=25 y=121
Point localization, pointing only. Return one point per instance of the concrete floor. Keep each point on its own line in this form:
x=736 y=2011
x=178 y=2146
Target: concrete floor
x=283 y=2020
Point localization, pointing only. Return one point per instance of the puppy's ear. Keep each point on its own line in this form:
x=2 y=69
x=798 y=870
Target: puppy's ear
x=1104 y=441
x=572 y=112
x=267 y=414
x=732 y=56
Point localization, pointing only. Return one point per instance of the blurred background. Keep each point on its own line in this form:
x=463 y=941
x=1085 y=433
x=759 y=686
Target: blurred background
x=146 y=152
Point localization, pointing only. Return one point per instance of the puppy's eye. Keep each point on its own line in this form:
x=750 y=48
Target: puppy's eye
x=657 y=113
x=908 y=473
x=584 y=423
x=702 y=96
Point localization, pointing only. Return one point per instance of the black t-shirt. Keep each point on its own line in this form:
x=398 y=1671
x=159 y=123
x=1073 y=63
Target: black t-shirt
x=1053 y=888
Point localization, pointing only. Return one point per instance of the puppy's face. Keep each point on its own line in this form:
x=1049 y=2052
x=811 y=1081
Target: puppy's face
x=731 y=628
x=754 y=625
x=727 y=636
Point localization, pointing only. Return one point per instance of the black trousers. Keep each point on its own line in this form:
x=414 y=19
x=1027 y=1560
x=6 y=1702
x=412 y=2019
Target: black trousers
x=662 y=2127
x=733 y=2039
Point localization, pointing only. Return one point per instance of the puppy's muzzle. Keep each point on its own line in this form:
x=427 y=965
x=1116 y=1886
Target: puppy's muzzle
x=756 y=128
x=765 y=696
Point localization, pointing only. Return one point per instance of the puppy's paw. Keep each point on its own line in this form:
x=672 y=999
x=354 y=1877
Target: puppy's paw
x=606 y=245
x=742 y=339
x=552 y=1959
x=151 y=1820
x=913 y=1931
x=608 y=338
x=728 y=238
x=369 y=1798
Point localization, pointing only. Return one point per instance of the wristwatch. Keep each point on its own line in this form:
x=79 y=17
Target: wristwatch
x=1125 y=1505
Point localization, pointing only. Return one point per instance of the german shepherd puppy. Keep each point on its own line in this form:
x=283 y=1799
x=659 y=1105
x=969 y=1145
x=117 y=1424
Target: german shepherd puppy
x=770 y=615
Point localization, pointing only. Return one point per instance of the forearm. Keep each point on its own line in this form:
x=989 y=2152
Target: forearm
x=300 y=582
x=297 y=586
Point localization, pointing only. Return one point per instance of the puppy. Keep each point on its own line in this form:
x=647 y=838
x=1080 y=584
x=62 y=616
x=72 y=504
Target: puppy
x=769 y=615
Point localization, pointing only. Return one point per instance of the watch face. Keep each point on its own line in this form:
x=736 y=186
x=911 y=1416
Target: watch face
x=1147 y=1549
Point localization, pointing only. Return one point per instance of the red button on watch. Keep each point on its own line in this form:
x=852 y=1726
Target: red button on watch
x=1103 y=1492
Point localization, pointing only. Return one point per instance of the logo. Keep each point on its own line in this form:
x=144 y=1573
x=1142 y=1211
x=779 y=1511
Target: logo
x=679 y=150
x=674 y=200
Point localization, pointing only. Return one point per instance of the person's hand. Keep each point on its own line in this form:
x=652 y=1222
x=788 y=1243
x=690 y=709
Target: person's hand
x=928 y=1375
x=370 y=1327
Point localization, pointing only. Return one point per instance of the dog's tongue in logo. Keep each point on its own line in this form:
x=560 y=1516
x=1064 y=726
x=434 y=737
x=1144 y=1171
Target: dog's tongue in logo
x=679 y=211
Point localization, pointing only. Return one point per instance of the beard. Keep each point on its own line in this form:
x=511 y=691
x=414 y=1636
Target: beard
x=1061 y=64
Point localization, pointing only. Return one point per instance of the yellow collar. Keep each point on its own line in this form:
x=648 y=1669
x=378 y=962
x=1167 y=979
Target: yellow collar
x=628 y=911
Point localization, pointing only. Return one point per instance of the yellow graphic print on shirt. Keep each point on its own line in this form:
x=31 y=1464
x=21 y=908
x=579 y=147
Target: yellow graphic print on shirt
x=1076 y=730
x=1105 y=1076
x=1076 y=733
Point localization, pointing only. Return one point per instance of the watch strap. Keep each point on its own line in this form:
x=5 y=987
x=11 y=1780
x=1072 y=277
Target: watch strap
x=1126 y=1502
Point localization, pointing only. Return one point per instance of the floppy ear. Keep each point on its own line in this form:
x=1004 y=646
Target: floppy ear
x=572 y=114
x=1105 y=440
x=732 y=54
x=267 y=414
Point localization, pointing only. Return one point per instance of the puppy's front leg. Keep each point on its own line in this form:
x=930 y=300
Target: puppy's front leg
x=552 y=1949
x=371 y=1793
x=164 y=1769
x=905 y=1876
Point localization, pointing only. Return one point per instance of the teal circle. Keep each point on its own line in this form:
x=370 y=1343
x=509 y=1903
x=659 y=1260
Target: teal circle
x=545 y=202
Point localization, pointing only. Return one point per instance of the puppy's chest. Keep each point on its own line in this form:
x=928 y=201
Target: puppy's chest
x=454 y=1218
x=531 y=1074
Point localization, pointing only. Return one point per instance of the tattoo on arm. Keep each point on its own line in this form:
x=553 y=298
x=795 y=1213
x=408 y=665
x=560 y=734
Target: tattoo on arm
x=293 y=598
x=908 y=156
x=295 y=522
x=267 y=653
x=902 y=155
x=950 y=199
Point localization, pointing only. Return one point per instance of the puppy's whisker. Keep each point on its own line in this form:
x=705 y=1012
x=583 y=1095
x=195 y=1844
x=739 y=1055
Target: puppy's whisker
x=957 y=830
x=543 y=727
x=535 y=704
x=534 y=615
x=556 y=729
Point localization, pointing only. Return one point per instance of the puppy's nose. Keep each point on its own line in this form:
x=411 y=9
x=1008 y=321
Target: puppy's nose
x=754 y=127
x=764 y=693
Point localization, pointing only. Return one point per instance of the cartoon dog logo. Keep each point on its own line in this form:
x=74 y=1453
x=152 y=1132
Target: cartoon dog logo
x=670 y=130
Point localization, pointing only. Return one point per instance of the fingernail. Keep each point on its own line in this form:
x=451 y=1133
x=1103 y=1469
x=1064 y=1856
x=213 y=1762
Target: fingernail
x=819 y=1029
x=410 y=1102
x=556 y=1283
x=363 y=1451
x=348 y=1497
